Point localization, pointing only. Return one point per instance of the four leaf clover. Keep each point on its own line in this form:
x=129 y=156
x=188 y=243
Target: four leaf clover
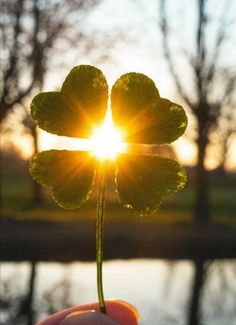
x=141 y=180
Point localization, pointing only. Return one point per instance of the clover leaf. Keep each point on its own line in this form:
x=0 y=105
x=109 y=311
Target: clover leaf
x=137 y=108
x=69 y=173
x=77 y=108
x=136 y=104
x=81 y=105
x=142 y=181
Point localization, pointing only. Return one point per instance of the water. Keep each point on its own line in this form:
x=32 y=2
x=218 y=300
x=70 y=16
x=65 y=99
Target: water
x=159 y=289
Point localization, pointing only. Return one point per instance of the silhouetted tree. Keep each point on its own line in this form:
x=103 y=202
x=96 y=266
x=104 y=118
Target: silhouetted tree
x=37 y=197
x=25 y=308
x=213 y=86
x=226 y=129
x=30 y=31
x=200 y=272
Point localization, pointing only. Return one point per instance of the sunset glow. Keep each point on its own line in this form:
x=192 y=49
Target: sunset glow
x=107 y=141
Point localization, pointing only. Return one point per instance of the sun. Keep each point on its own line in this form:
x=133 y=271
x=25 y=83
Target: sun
x=107 y=142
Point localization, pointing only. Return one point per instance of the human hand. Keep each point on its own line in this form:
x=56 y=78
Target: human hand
x=118 y=313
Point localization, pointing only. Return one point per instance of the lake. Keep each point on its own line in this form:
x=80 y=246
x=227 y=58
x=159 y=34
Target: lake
x=160 y=289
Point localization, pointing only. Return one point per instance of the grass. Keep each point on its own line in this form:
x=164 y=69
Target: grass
x=16 y=204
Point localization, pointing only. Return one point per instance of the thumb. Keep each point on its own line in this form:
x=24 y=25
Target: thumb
x=119 y=311
x=89 y=317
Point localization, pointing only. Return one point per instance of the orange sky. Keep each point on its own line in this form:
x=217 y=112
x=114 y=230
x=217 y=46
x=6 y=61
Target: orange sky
x=184 y=148
x=141 y=54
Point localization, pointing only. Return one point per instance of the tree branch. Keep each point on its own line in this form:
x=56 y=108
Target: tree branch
x=167 y=53
x=29 y=63
x=227 y=97
x=220 y=37
x=13 y=52
x=199 y=65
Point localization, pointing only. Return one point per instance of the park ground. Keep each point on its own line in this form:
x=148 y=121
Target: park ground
x=48 y=232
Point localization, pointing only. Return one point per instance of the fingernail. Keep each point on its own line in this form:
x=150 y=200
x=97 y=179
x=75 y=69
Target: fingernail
x=88 y=317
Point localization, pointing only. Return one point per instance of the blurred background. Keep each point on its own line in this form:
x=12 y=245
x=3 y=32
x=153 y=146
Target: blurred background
x=177 y=266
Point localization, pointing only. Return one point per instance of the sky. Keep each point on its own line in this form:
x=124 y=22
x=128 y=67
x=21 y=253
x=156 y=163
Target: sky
x=138 y=48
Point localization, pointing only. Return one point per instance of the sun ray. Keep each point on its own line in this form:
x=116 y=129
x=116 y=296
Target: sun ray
x=107 y=141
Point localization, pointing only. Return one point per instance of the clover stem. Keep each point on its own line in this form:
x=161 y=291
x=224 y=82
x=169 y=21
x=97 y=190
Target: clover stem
x=99 y=233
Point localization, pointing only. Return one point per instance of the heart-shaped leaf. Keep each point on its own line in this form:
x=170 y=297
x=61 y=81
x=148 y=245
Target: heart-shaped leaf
x=142 y=181
x=145 y=117
x=53 y=113
x=87 y=89
x=163 y=123
x=69 y=173
x=81 y=104
x=132 y=95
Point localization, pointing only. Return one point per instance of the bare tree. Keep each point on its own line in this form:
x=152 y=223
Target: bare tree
x=225 y=131
x=31 y=129
x=30 y=31
x=213 y=88
x=25 y=308
x=200 y=273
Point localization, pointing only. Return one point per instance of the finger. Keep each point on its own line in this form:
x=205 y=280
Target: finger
x=118 y=310
x=90 y=317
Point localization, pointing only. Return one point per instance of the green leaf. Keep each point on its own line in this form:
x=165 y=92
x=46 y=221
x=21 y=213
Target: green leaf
x=132 y=96
x=145 y=117
x=142 y=181
x=86 y=88
x=53 y=113
x=167 y=121
x=81 y=104
x=69 y=173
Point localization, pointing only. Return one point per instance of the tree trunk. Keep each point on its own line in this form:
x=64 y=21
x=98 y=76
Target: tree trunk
x=4 y=108
x=37 y=197
x=194 y=317
x=31 y=293
x=202 y=206
x=26 y=310
x=225 y=144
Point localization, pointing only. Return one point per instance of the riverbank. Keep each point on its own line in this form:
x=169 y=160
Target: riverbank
x=66 y=242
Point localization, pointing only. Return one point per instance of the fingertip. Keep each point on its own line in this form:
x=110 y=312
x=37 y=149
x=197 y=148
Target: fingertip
x=122 y=312
x=117 y=310
x=90 y=317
